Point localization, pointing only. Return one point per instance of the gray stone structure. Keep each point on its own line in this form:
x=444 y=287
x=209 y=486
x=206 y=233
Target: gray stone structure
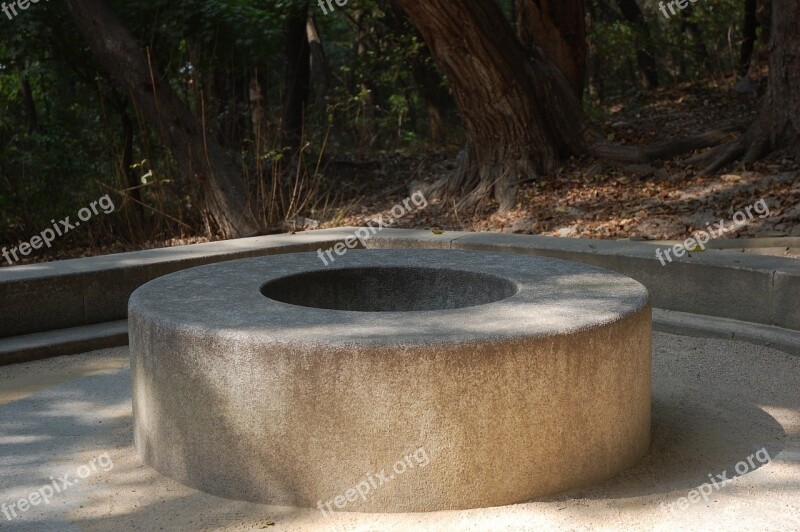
x=280 y=380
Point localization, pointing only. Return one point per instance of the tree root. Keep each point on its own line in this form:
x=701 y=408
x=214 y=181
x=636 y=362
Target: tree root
x=661 y=150
x=762 y=138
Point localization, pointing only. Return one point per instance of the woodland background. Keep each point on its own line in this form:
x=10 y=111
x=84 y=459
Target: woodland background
x=213 y=119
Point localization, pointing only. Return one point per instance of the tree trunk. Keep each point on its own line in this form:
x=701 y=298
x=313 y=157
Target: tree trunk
x=693 y=31
x=521 y=117
x=258 y=115
x=224 y=94
x=198 y=155
x=318 y=66
x=645 y=51
x=298 y=74
x=436 y=100
x=368 y=130
x=28 y=102
x=748 y=36
x=778 y=124
x=764 y=18
x=559 y=28
x=132 y=181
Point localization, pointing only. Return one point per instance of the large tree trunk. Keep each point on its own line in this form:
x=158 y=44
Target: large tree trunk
x=198 y=155
x=778 y=124
x=645 y=50
x=521 y=117
x=559 y=28
x=749 y=28
x=431 y=87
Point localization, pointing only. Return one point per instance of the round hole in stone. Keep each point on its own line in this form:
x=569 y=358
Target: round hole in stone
x=389 y=289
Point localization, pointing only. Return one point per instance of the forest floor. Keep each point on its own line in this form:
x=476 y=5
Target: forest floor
x=585 y=198
x=589 y=198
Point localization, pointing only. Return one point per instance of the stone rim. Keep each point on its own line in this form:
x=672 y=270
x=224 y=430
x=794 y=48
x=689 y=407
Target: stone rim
x=554 y=297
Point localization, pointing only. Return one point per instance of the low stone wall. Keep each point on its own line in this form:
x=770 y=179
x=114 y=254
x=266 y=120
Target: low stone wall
x=78 y=292
x=82 y=292
x=752 y=288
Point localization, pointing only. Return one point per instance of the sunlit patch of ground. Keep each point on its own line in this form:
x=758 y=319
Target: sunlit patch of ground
x=715 y=402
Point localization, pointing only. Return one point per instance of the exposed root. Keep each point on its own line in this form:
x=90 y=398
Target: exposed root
x=661 y=150
x=761 y=139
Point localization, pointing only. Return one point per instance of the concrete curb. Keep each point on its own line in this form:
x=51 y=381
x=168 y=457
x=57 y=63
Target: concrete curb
x=65 y=297
x=751 y=288
x=78 y=292
x=51 y=344
x=685 y=324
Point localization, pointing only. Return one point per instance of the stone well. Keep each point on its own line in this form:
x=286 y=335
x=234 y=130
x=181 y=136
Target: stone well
x=284 y=381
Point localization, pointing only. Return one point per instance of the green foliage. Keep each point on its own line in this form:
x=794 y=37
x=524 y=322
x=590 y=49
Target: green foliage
x=47 y=172
x=720 y=24
x=614 y=43
x=211 y=52
x=679 y=54
x=374 y=99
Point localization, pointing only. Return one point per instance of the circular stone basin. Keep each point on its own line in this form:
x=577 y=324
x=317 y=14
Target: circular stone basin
x=391 y=380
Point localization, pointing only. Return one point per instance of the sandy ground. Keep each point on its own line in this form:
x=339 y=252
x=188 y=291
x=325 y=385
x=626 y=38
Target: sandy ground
x=715 y=402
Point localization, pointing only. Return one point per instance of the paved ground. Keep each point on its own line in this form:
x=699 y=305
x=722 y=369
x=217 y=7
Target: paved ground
x=715 y=403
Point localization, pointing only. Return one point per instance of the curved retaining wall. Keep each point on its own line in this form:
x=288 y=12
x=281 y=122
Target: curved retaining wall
x=60 y=307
